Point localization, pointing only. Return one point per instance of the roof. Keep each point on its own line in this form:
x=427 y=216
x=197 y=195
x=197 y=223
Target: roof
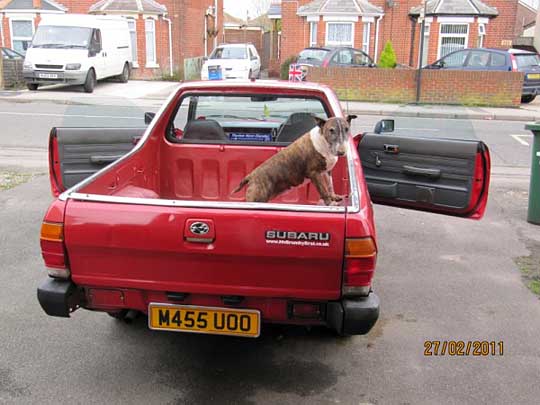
x=48 y=5
x=128 y=6
x=456 y=7
x=274 y=12
x=347 y=7
x=230 y=19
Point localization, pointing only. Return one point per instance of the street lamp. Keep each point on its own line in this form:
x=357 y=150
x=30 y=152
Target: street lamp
x=422 y=17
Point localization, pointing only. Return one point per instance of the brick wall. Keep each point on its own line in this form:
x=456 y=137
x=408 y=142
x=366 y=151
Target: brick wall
x=501 y=89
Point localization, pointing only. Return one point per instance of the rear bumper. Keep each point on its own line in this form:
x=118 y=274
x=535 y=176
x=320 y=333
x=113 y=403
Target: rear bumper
x=530 y=89
x=346 y=317
x=58 y=297
x=62 y=77
x=353 y=316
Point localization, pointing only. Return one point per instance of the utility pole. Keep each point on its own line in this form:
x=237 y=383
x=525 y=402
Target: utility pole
x=421 y=51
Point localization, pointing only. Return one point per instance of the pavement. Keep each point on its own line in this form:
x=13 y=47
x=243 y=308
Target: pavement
x=152 y=93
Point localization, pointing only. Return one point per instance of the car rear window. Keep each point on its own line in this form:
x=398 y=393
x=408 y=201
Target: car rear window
x=229 y=53
x=498 y=60
x=527 y=60
x=312 y=55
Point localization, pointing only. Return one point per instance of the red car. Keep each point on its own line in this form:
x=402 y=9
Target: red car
x=160 y=232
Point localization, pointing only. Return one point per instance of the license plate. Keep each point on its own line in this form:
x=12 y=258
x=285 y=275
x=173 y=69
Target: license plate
x=533 y=76
x=211 y=320
x=48 y=76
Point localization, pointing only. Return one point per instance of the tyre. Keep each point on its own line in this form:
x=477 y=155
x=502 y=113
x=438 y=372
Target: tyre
x=528 y=98
x=32 y=86
x=124 y=77
x=90 y=82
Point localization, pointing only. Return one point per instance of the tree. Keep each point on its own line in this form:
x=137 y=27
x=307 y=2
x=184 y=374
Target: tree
x=388 y=57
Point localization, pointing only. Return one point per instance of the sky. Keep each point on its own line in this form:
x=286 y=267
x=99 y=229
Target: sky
x=533 y=3
x=238 y=8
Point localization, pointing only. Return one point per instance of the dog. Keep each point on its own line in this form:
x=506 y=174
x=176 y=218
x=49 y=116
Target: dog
x=311 y=156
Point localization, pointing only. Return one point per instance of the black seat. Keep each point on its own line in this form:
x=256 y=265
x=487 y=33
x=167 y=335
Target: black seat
x=204 y=130
x=296 y=125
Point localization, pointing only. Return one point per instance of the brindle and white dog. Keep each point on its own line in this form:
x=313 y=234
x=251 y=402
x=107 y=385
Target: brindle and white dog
x=311 y=156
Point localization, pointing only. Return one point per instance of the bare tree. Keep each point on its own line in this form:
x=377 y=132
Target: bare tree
x=259 y=7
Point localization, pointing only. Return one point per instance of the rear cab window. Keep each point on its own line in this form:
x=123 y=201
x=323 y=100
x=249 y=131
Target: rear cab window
x=241 y=119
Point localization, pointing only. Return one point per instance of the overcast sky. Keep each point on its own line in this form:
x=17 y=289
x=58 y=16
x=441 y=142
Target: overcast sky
x=533 y=3
x=238 y=8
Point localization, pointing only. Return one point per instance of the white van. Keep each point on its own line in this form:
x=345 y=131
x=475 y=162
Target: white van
x=78 y=49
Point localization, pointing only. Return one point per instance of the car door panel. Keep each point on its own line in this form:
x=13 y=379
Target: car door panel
x=439 y=175
x=77 y=153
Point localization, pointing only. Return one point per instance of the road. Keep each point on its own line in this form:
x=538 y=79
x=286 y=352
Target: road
x=439 y=278
x=26 y=125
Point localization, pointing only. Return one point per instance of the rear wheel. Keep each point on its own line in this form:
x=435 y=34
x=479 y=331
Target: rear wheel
x=528 y=98
x=90 y=82
x=32 y=86
x=124 y=77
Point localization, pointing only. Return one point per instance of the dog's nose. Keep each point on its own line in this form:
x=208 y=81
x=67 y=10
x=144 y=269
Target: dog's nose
x=341 y=153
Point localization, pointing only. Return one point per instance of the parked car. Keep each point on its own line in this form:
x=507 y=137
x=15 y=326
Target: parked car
x=339 y=56
x=78 y=49
x=8 y=53
x=160 y=231
x=512 y=60
x=232 y=61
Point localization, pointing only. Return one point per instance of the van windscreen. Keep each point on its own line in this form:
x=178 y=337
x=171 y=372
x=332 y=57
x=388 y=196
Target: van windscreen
x=54 y=36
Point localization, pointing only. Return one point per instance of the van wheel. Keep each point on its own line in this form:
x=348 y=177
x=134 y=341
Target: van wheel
x=32 y=86
x=528 y=98
x=124 y=77
x=90 y=82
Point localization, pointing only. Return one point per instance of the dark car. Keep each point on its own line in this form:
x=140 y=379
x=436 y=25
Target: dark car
x=340 y=56
x=512 y=60
x=10 y=54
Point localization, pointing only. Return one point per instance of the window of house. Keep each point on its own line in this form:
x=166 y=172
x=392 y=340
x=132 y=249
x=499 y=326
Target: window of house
x=313 y=34
x=21 y=34
x=481 y=35
x=425 y=50
x=453 y=37
x=365 y=37
x=339 y=34
x=133 y=36
x=150 y=31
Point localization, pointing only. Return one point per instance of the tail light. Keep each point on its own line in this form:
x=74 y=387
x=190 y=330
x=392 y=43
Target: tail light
x=514 y=63
x=52 y=249
x=360 y=260
x=325 y=63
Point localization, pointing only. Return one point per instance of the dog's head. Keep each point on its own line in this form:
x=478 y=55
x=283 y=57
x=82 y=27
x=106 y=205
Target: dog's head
x=336 y=133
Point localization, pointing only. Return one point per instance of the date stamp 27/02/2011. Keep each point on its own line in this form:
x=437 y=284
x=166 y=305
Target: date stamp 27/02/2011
x=463 y=348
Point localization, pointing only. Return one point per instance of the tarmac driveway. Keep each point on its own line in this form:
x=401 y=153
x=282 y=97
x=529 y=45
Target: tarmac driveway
x=439 y=278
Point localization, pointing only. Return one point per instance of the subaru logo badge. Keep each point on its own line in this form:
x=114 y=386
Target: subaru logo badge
x=199 y=228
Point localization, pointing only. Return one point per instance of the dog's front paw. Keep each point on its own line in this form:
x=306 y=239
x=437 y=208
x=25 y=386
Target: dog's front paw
x=335 y=197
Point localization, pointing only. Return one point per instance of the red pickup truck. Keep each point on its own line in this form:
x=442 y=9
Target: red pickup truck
x=155 y=227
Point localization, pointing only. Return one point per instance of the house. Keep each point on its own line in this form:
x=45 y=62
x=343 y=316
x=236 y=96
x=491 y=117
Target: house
x=163 y=33
x=369 y=24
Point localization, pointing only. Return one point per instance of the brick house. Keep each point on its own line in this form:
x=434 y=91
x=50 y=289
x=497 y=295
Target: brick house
x=450 y=25
x=163 y=33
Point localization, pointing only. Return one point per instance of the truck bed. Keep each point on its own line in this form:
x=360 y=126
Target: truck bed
x=198 y=172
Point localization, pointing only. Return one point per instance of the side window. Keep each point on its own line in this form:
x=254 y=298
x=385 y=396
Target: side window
x=343 y=57
x=498 y=60
x=360 y=58
x=478 y=59
x=96 y=41
x=456 y=59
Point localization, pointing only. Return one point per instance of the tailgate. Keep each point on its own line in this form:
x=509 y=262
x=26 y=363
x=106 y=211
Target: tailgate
x=247 y=253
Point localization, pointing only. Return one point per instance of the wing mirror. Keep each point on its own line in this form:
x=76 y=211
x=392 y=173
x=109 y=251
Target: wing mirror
x=384 y=126
x=148 y=117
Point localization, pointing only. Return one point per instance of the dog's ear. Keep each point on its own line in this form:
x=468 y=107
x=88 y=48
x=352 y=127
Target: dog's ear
x=351 y=117
x=320 y=122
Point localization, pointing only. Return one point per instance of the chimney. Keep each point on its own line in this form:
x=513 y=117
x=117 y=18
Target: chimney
x=36 y=4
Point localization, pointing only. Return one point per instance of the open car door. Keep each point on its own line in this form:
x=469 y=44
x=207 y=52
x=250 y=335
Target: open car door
x=77 y=153
x=445 y=176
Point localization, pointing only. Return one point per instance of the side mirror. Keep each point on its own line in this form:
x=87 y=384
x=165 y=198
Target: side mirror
x=384 y=126
x=148 y=117
x=205 y=58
